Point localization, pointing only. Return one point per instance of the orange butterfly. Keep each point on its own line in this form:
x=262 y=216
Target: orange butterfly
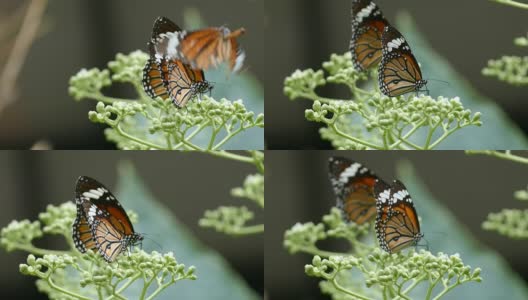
x=354 y=188
x=397 y=224
x=101 y=224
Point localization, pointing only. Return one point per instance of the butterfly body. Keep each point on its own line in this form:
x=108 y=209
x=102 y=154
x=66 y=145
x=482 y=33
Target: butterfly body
x=399 y=72
x=353 y=186
x=101 y=224
x=397 y=223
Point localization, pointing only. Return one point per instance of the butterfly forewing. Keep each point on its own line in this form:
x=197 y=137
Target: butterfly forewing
x=397 y=224
x=209 y=47
x=368 y=24
x=399 y=72
x=354 y=188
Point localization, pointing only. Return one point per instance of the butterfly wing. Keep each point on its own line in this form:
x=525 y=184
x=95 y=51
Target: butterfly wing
x=82 y=233
x=354 y=188
x=110 y=226
x=155 y=75
x=399 y=72
x=397 y=223
x=184 y=83
x=368 y=24
x=209 y=47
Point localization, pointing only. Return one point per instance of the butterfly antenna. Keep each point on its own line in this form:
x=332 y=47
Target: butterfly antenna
x=442 y=81
x=157 y=244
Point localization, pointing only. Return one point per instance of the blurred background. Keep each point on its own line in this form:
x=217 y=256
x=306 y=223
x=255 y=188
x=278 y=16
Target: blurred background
x=186 y=183
x=470 y=187
x=302 y=34
x=43 y=43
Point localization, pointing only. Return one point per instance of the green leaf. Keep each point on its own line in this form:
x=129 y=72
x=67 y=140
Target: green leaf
x=497 y=131
x=216 y=279
x=445 y=234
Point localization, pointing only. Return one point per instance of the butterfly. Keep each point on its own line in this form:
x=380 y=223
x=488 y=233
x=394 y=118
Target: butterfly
x=101 y=224
x=397 y=224
x=368 y=24
x=354 y=188
x=399 y=72
x=170 y=78
x=204 y=48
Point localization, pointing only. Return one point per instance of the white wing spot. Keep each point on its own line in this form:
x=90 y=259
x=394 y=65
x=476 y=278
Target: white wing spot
x=365 y=12
x=384 y=196
x=395 y=44
x=349 y=172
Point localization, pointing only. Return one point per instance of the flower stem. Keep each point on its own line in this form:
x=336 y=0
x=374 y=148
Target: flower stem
x=504 y=155
x=342 y=289
x=512 y=3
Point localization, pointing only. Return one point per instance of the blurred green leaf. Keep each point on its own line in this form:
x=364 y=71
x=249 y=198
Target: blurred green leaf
x=216 y=279
x=445 y=234
x=498 y=131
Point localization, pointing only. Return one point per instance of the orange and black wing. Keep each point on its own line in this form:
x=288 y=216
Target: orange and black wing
x=184 y=83
x=97 y=208
x=155 y=74
x=209 y=47
x=354 y=188
x=82 y=233
x=399 y=72
x=397 y=223
x=368 y=24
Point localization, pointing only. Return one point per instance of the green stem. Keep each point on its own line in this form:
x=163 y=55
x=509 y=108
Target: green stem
x=356 y=140
x=431 y=287
x=430 y=135
x=248 y=230
x=447 y=289
x=505 y=155
x=443 y=137
x=512 y=3
x=340 y=288
x=137 y=140
x=233 y=156
x=146 y=286
x=315 y=251
x=109 y=100
x=160 y=289
x=66 y=292
x=407 y=135
x=39 y=251
x=416 y=281
x=125 y=286
x=228 y=137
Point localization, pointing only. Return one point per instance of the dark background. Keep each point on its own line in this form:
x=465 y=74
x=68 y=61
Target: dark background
x=87 y=34
x=187 y=183
x=298 y=190
x=302 y=34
